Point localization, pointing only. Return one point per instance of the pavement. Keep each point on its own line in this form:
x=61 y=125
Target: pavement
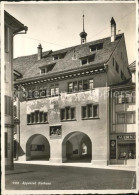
x=87 y=165
x=34 y=176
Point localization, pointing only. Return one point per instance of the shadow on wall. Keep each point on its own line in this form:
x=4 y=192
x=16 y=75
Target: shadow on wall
x=21 y=152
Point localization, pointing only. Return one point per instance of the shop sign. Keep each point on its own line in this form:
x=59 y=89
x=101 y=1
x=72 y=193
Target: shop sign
x=55 y=132
x=126 y=137
x=112 y=149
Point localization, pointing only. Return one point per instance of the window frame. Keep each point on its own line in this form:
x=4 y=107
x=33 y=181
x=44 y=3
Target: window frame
x=31 y=118
x=85 y=109
x=84 y=83
x=124 y=97
x=125 y=117
x=68 y=110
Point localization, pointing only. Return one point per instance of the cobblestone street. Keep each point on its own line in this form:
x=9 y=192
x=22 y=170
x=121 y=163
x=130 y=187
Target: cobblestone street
x=45 y=177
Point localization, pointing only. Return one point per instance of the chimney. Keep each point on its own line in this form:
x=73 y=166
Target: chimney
x=113 y=30
x=39 y=52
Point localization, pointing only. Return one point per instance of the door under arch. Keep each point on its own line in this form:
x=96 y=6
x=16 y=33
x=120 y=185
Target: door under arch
x=37 y=148
x=77 y=147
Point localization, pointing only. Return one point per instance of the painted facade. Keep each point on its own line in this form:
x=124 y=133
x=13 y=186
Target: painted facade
x=64 y=108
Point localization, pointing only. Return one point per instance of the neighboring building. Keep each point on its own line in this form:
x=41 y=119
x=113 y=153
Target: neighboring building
x=64 y=112
x=123 y=124
x=12 y=27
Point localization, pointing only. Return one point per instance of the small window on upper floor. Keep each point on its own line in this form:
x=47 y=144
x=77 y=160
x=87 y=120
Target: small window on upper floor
x=47 y=68
x=88 y=59
x=55 y=57
x=59 y=56
x=43 y=70
x=96 y=47
x=84 y=61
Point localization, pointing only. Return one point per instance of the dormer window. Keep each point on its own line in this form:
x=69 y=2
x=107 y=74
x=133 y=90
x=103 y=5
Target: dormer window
x=84 y=61
x=43 y=70
x=96 y=47
x=59 y=56
x=55 y=58
x=47 y=68
x=87 y=60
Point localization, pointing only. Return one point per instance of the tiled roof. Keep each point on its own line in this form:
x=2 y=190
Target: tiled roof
x=28 y=66
x=123 y=85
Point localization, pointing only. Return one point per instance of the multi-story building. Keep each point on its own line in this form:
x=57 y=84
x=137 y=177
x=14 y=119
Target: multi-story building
x=12 y=27
x=123 y=121
x=64 y=100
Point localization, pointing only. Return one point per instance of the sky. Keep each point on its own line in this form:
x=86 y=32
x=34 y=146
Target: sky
x=58 y=25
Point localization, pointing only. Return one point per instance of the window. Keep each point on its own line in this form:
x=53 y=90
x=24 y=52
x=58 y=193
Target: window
x=95 y=110
x=91 y=84
x=89 y=111
x=117 y=67
x=96 y=47
x=84 y=61
x=28 y=119
x=80 y=85
x=42 y=92
x=43 y=70
x=41 y=117
x=75 y=86
x=54 y=90
x=47 y=68
x=37 y=117
x=126 y=150
x=88 y=59
x=45 y=117
x=126 y=97
x=126 y=118
x=59 y=56
x=70 y=87
x=72 y=113
x=63 y=117
x=55 y=58
x=67 y=113
x=85 y=85
x=84 y=111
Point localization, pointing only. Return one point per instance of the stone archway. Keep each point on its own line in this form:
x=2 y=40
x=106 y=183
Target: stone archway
x=77 y=147
x=37 y=148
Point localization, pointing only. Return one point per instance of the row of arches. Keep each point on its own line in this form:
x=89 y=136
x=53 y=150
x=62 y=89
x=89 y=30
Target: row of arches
x=76 y=147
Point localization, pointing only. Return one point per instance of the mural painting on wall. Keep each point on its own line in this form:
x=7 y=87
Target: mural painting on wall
x=55 y=131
